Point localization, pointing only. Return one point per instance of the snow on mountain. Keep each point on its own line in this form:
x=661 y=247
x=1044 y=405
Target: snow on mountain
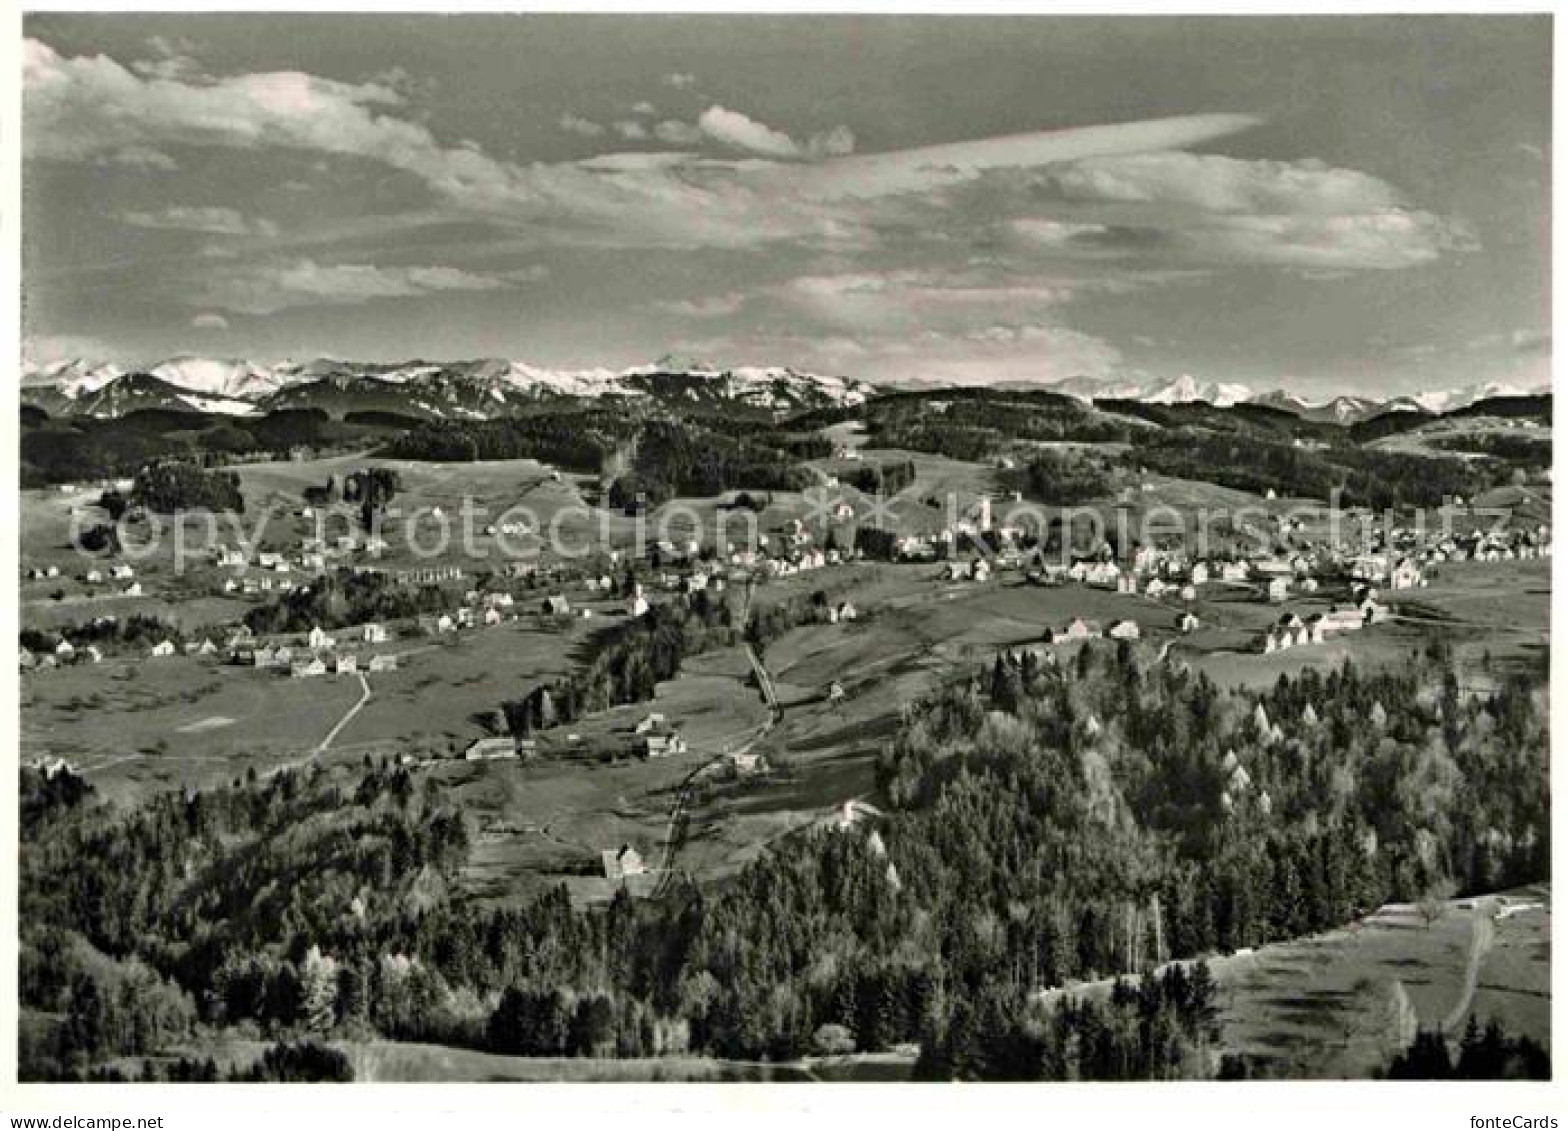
x=1449 y=400
x=72 y=376
x=1339 y=410
x=1186 y=389
x=217 y=377
x=1093 y=388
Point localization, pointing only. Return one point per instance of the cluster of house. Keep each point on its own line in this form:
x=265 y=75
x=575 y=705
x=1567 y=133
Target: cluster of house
x=319 y=653
x=60 y=655
x=1080 y=629
x=657 y=738
x=1292 y=630
x=116 y=572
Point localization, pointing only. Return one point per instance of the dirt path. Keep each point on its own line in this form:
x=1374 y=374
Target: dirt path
x=680 y=814
x=1482 y=932
x=348 y=716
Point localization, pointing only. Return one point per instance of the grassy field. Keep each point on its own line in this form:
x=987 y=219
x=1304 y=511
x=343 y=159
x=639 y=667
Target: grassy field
x=1340 y=1004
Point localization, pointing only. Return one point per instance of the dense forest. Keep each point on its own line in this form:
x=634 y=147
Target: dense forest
x=1045 y=822
x=1065 y=478
x=80 y=449
x=981 y=424
x=579 y=440
x=172 y=486
x=1366 y=477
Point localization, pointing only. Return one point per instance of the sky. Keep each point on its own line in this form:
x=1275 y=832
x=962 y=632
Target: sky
x=1331 y=204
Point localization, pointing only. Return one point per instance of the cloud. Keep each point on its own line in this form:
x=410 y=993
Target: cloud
x=1215 y=210
x=267 y=289
x=680 y=80
x=582 y=127
x=139 y=157
x=836 y=142
x=712 y=306
x=728 y=127
x=211 y=220
x=46 y=348
x=736 y=130
x=677 y=133
x=210 y=321
x=1124 y=192
x=646 y=109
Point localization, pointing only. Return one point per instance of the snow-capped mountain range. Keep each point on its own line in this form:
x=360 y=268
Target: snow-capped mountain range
x=441 y=390
x=492 y=387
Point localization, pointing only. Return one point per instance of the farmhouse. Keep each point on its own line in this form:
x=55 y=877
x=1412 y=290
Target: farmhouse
x=162 y=648
x=746 y=763
x=373 y=633
x=492 y=616
x=1278 y=589
x=620 y=864
x=663 y=745
x=1186 y=623
x=637 y=605
x=64 y=649
x=386 y=662
x=318 y=638
x=1079 y=629
x=556 y=605
x=491 y=750
x=1405 y=575
x=304 y=669
x=653 y=721
x=1123 y=630
x=134 y=589
x=346 y=664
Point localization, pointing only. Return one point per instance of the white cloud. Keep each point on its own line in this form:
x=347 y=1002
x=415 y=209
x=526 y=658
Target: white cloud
x=736 y=130
x=1121 y=191
x=712 y=306
x=46 y=348
x=728 y=127
x=582 y=127
x=212 y=220
x=267 y=289
x=139 y=157
x=680 y=80
x=677 y=133
x=210 y=321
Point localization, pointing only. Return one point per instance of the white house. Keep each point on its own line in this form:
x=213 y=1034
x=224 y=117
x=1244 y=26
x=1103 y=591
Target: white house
x=383 y=663
x=663 y=745
x=623 y=863
x=1405 y=575
x=162 y=648
x=1123 y=630
x=1186 y=623
x=373 y=633
x=1278 y=589
x=318 y=638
